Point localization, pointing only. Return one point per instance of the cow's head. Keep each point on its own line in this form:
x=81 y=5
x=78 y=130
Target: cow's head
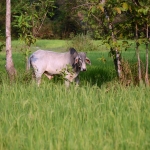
x=80 y=60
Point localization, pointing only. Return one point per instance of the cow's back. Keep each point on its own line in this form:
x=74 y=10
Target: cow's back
x=52 y=62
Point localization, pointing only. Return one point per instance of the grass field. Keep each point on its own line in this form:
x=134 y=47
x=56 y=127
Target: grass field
x=99 y=114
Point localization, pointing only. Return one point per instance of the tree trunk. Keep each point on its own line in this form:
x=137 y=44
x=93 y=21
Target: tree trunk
x=118 y=66
x=146 y=72
x=138 y=56
x=9 y=62
x=116 y=53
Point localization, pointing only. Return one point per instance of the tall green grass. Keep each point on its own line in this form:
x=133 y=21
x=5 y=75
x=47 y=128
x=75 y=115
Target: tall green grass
x=53 y=117
x=98 y=114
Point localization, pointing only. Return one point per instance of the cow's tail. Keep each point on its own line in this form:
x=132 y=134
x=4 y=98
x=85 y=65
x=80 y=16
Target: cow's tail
x=29 y=63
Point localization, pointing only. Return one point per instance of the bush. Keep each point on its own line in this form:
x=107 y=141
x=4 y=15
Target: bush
x=82 y=43
x=2 y=45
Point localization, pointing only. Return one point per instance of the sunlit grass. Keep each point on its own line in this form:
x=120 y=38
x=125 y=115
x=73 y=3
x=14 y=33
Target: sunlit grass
x=53 y=117
x=51 y=44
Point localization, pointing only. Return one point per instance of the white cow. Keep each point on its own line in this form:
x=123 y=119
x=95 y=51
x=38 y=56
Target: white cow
x=51 y=63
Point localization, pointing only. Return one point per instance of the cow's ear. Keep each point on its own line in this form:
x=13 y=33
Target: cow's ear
x=87 y=60
x=72 y=51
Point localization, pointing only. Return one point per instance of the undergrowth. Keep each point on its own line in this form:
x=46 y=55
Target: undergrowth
x=83 y=43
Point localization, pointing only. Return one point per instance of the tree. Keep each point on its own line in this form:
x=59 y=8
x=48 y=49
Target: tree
x=29 y=21
x=140 y=19
x=112 y=20
x=101 y=18
x=30 y=15
x=9 y=61
x=147 y=56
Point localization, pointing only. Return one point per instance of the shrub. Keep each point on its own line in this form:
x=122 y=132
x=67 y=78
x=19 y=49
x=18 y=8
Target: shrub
x=82 y=43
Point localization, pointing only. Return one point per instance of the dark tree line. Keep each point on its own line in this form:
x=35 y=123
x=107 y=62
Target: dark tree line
x=60 y=18
x=45 y=18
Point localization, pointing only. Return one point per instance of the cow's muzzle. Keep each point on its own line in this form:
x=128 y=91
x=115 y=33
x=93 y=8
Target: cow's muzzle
x=83 y=69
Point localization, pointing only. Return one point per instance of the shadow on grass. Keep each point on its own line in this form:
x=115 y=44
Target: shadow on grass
x=94 y=76
x=97 y=76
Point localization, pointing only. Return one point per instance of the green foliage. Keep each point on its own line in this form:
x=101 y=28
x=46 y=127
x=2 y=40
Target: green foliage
x=23 y=23
x=29 y=21
x=2 y=19
x=117 y=45
x=68 y=71
x=126 y=45
x=2 y=45
x=82 y=43
x=78 y=16
x=30 y=17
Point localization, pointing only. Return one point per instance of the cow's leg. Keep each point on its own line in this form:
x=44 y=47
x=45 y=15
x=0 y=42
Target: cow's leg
x=77 y=80
x=67 y=83
x=38 y=78
x=38 y=81
x=49 y=76
x=38 y=73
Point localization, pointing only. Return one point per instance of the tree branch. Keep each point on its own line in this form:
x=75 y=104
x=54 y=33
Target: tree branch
x=87 y=4
x=41 y=23
x=96 y=18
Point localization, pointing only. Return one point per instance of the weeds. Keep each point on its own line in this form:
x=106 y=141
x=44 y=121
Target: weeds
x=130 y=73
x=82 y=43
